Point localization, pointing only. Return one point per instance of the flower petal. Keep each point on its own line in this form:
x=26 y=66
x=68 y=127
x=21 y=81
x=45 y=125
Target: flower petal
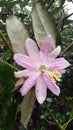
x=40 y=90
x=29 y=83
x=51 y=85
x=32 y=50
x=62 y=71
x=43 y=58
x=59 y=64
x=55 y=53
x=46 y=45
x=22 y=73
x=25 y=61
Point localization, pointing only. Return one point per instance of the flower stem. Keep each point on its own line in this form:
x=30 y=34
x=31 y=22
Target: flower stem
x=53 y=117
x=49 y=122
x=66 y=124
x=7 y=43
x=13 y=67
x=66 y=49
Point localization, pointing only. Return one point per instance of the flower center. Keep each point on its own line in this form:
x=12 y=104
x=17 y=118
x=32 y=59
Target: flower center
x=42 y=68
x=54 y=75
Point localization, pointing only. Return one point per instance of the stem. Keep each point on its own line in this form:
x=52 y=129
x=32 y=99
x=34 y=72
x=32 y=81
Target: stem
x=5 y=40
x=17 y=14
x=53 y=117
x=66 y=124
x=67 y=48
x=13 y=67
x=52 y=1
x=49 y=122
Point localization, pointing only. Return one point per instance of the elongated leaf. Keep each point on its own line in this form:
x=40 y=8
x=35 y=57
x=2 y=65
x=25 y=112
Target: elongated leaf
x=17 y=34
x=6 y=74
x=43 y=24
x=27 y=108
x=11 y=115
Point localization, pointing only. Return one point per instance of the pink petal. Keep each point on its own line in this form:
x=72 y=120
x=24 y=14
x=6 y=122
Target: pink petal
x=40 y=90
x=59 y=64
x=51 y=85
x=22 y=73
x=29 y=83
x=44 y=59
x=62 y=71
x=46 y=45
x=32 y=50
x=25 y=61
x=55 y=53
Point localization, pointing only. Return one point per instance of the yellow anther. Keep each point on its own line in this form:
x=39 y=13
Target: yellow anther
x=55 y=75
x=51 y=76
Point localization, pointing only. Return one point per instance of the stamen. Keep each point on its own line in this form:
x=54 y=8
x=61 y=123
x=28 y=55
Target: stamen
x=55 y=75
x=51 y=76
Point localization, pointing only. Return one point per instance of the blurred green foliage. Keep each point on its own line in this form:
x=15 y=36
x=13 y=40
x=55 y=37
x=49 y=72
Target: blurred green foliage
x=62 y=106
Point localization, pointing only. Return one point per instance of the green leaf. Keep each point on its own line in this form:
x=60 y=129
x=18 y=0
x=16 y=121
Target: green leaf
x=43 y=24
x=27 y=107
x=17 y=34
x=11 y=115
x=7 y=74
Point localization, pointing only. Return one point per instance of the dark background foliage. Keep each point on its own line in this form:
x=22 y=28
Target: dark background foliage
x=62 y=106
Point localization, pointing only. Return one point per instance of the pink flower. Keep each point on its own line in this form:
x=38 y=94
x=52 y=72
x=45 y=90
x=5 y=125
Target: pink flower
x=43 y=69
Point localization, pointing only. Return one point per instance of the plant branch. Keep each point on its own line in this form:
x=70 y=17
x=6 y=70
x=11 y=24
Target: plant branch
x=49 y=122
x=17 y=14
x=64 y=19
x=51 y=2
x=53 y=117
x=66 y=124
x=13 y=67
x=67 y=48
x=7 y=43
x=67 y=16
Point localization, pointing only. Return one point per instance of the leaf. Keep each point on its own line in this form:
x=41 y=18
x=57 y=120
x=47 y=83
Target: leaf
x=17 y=34
x=23 y=4
x=27 y=107
x=43 y=24
x=7 y=74
x=11 y=115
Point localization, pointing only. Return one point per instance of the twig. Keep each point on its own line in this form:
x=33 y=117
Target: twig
x=67 y=17
x=52 y=1
x=64 y=19
x=17 y=14
x=66 y=124
x=13 y=67
x=53 y=117
x=66 y=49
x=49 y=122
x=7 y=43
